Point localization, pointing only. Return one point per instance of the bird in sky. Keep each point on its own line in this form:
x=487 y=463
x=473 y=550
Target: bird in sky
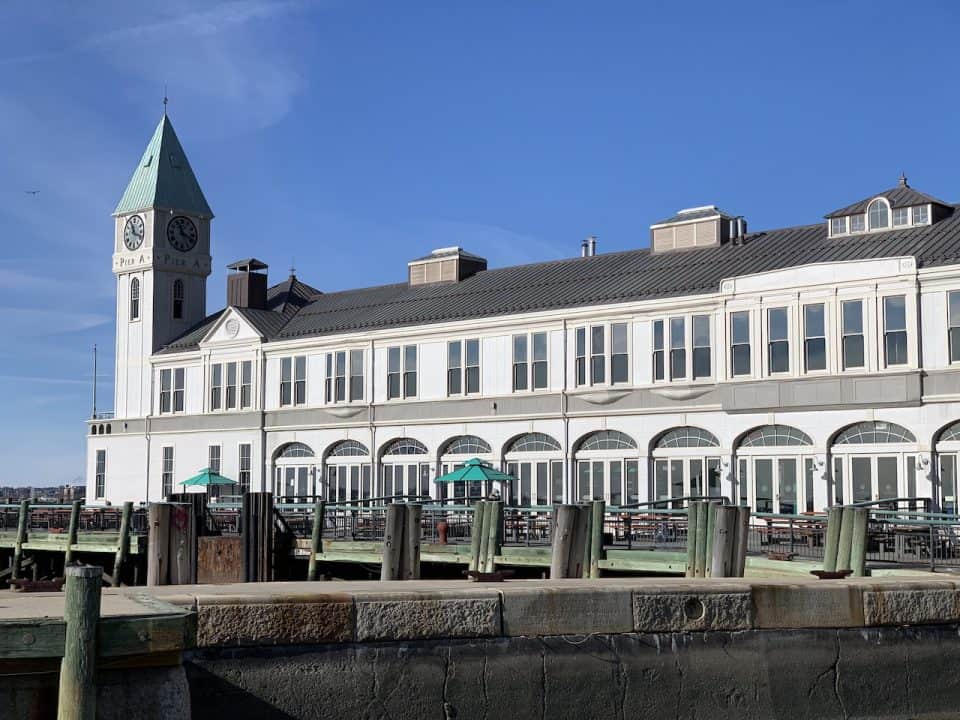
x=32 y=192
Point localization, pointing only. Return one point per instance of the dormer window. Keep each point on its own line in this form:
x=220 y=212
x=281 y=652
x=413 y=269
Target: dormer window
x=838 y=226
x=920 y=215
x=856 y=223
x=901 y=216
x=879 y=214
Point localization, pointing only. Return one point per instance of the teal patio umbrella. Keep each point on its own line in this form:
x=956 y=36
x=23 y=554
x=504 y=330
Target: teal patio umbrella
x=206 y=478
x=475 y=470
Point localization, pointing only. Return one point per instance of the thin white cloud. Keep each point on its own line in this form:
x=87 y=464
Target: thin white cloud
x=19 y=322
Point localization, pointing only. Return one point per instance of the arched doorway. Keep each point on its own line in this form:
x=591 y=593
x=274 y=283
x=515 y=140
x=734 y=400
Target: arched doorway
x=294 y=470
x=948 y=452
x=536 y=459
x=770 y=460
x=607 y=465
x=347 y=472
x=404 y=469
x=453 y=454
x=874 y=460
x=686 y=463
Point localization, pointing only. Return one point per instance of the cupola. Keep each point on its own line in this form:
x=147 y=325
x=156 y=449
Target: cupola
x=704 y=226
x=246 y=285
x=445 y=265
x=898 y=208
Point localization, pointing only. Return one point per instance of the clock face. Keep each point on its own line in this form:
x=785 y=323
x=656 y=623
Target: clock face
x=182 y=233
x=133 y=232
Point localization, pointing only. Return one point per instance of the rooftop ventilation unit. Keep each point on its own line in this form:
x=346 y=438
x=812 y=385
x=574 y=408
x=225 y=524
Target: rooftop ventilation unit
x=446 y=265
x=705 y=226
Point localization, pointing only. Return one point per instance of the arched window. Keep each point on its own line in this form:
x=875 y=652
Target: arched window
x=467 y=445
x=296 y=450
x=349 y=448
x=405 y=446
x=775 y=436
x=878 y=214
x=178 y=299
x=534 y=442
x=135 y=299
x=608 y=440
x=951 y=433
x=874 y=432
x=687 y=437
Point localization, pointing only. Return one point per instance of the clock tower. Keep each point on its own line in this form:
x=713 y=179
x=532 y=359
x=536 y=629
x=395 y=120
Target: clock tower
x=161 y=258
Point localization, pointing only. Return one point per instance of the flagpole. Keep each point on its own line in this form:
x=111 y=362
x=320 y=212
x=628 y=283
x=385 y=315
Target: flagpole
x=94 y=381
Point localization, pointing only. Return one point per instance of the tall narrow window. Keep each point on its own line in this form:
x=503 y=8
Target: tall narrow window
x=409 y=371
x=299 y=380
x=454 y=368
x=231 y=389
x=179 y=377
x=953 y=338
x=135 y=299
x=895 y=330
x=619 y=354
x=166 y=471
x=356 y=375
x=213 y=458
x=286 y=381
x=246 y=383
x=814 y=338
x=166 y=391
x=520 y=362
x=472 y=370
x=778 y=348
x=100 y=474
x=598 y=358
x=701 y=347
x=581 y=356
x=853 y=353
x=678 y=348
x=540 y=361
x=658 y=351
x=393 y=373
x=216 y=386
x=243 y=477
x=178 y=299
x=740 y=342
x=339 y=376
x=878 y=215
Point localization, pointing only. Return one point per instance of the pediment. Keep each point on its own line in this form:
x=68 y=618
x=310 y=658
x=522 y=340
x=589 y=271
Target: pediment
x=230 y=329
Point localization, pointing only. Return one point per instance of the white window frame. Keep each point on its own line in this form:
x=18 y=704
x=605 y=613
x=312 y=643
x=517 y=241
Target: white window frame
x=843 y=334
x=607 y=353
x=925 y=220
x=805 y=337
x=529 y=362
x=295 y=380
x=751 y=344
x=900 y=211
x=176 y=395
x=689 y=319
x=403 y=371
x=244 y=467
x=461 y=372
x=953 y=325
x=871 y=204
x=167 y=474
x=135 y=285
x=768 y=341
x=100 y=473
x=862 y=217
x=842 y=222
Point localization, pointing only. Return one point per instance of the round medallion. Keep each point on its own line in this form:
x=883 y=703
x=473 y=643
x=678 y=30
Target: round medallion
x=133 y=232
x=232 y=327
x=182 y=234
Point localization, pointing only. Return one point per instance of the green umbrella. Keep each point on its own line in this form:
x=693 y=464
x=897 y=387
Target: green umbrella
x=475 y=470
x=207 y=477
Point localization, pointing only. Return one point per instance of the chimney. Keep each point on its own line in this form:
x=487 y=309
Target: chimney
x=247 y=288
x=584 y=248
x=592 y=241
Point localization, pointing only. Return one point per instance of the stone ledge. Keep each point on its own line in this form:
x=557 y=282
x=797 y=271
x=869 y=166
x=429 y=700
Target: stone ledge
x=574 y=611
x=423 y=619
x=274 y=624
x=919 y=606
x=692 y=611
x=824 y=605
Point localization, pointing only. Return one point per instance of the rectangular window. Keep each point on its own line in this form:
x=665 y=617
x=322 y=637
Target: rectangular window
x=598 y=358
x=410 y=371
x=216 y=386
x=472 y=370
x=901 y=216
x=520 y=362
x=778 y=346
x=539 y=361
x=179 y=378
x=243 y=477
x=619 y=355
x=853 y=351
x=231 y=394
x=454 y=368
x=920 y=216
x=356 y=375
x=393 y=373
x=895 y=330
x=856 y=223
x=166 y=471
x=581 y=356
x=100 y=474
x=838 y=226
x=286 y=381
x=246 y=383
x=299 y=380
x=166 y=391
x=814 y=338
x=213 y=458
x=339 y=376
x=658 y=351
x=740 y=342
x=953 y=339
x=701 y=347
x=678 y=351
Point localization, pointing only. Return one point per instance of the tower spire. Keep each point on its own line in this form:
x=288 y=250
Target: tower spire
x=165 y=100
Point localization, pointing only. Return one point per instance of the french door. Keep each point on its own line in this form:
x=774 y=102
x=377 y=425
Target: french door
x=686 y=477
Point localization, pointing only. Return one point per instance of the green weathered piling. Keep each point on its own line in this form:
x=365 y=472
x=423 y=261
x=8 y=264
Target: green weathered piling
x=834 y=519
x=392 y=542
x=481 y=513
x=692 y=519
x=701 y=560
x=858 y=547
x=492 y=520
x=21 y=538
x=711 y=524
x=316 y=538
x=845 y=543
x=123 y=543
x=78 y=692
x=564 y=522
x=72 y=530
x=597 y=510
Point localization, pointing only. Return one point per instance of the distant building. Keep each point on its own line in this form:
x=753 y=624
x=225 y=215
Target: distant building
x=787 y=368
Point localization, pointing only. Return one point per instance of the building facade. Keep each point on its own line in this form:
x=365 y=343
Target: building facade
x=788 y=369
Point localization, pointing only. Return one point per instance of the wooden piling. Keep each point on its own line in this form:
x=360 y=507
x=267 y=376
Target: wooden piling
x=412 y=533
x=158 y=544
x=392 y=542
x=494 y=520
x=22 y=522
x=73 y=530
x=845 y=543
x=316 y=538
x=476 y=535
x=692 y=519
x=566 y=518
x=858 y=546
x=123 y=543
x=257 y=533
x=183 y=545
x=742 y=540
x=78 y=692
x=579 y=562
x=724 y=539
x=700 y=563
x=597 y=510
x=708 y=551
x=834 y=519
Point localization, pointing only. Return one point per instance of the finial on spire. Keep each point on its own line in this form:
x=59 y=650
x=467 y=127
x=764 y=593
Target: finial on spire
x=165 y=100
x=903 y=180
x=293 y=268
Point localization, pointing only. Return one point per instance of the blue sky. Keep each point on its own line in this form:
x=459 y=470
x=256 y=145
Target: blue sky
x=350 y=136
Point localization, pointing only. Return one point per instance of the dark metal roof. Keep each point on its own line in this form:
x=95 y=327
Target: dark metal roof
x=247 y=264
x=601 y=279
x=901 y=196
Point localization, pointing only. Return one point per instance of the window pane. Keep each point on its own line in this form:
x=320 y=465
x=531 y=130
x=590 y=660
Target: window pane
x=816 y=352
x=473 y=379
x=393 y=361
x=878 y=214
x=896 y=348
x=678 y=364
x=763 y=484
x=540 y=346
x=813 y=321
x=540 y=375
x=856 y=223
x=852 y=317
x=519 y=348
x=740 y=326
x=894 y=313
x=954 y=344
x=454 y=354
x=701 y=331
x=920 y=214
x=901 y=216
x=777 y=322
x=556 y=473
x=454 y=381
x=658 y=365
x=618 y=338
x=300 y=368
x=853 y=351
x=954 y=302
x=473 y=352
x=741 y=359
x=410 y=358
x=581 y=341
x=616 y=483
x=862 y=476
x=658 y=335
x=779 y=357
x=701 y=362
x=677 y=333
x=596 y=340
x=520 y=376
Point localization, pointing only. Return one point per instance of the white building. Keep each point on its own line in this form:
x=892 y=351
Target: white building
x=789 y=368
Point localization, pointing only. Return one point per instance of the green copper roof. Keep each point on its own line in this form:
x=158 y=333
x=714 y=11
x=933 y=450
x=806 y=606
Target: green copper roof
x=164 y=179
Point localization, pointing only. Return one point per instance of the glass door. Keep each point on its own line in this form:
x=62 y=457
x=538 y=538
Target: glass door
x=861 y=478
x=888 y=478
x=948 y=483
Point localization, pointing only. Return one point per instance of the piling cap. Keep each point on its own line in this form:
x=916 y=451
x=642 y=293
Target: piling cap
x=83 y=571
